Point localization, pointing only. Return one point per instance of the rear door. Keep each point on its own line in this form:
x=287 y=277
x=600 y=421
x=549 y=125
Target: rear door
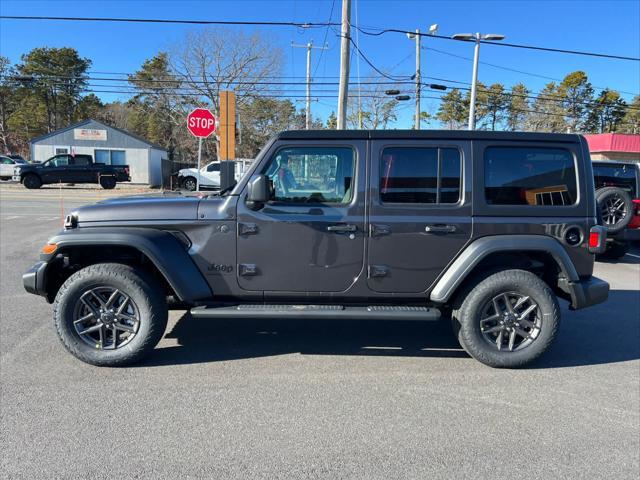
x=310 y=236
x=420 y=214
x=82 y=169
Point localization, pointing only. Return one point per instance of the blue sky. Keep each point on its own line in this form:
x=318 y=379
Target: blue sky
x=598 y=26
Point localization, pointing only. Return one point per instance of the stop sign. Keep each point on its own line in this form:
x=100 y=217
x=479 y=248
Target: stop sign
x=201 y=122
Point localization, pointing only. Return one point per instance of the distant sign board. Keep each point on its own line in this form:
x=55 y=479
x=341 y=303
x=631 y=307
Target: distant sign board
x=89 y=134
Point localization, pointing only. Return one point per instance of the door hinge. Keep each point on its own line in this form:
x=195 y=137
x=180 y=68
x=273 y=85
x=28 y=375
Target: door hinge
x=247 y=269
x=377 y=271
x=378 y=230
x=247 y=228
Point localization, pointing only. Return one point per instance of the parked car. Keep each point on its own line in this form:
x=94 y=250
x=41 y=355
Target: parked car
x=209 y=176
x=65 y=168
x=488 y=229
x=7 y=164
x=618 y=198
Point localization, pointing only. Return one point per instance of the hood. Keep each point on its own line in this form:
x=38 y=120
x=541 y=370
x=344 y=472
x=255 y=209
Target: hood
x=139 y=208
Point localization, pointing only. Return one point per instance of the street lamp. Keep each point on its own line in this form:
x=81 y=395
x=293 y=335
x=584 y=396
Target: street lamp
x=476 y=37
x=416 y=37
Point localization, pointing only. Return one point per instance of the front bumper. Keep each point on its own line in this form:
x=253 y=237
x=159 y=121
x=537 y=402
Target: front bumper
x=585 y=293
x=34 y=279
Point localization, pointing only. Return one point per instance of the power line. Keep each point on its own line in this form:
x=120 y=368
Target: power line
x=310 y=25
x=324 y=41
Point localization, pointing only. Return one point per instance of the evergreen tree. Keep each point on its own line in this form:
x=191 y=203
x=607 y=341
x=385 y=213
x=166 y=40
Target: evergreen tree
x=452 y=112
x=606 y=112
x=517 y=107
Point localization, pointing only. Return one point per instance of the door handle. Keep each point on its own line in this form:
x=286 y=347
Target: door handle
x=342 y=228
x=440 y=228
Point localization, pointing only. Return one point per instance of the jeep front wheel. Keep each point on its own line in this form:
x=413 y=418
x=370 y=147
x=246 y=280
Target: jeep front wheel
x=508 y=319
x=110 y=314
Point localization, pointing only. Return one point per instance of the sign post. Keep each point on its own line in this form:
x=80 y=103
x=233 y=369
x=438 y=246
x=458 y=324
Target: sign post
x=201 y=123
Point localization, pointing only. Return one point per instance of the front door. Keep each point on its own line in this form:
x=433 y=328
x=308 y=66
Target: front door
x=420 y=215
x=310 y=236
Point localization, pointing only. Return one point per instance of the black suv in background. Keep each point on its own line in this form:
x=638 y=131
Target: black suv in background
x=486 y=229
x=66 y=168
x=618 y=200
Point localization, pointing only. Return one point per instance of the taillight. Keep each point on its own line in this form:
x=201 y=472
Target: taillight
x=597 y=239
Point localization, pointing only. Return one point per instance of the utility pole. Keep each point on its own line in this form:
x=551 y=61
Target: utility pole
x=416 y=37
x=418 y=79
x=343 y=93
x=309 y=46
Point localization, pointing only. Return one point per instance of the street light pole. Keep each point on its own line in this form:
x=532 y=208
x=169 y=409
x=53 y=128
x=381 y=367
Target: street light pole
x=474 y=83
x=477 y=38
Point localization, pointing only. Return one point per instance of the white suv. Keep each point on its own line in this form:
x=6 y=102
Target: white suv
x=7 y=165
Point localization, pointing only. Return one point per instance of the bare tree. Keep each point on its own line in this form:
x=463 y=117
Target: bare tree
x=371 y=107
x=211 y=60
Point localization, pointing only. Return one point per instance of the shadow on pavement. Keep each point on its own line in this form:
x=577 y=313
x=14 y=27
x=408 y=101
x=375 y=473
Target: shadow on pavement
x=210 y=340
x=606 y=333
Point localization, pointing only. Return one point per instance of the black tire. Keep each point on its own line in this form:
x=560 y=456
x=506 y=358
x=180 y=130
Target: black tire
x=615 y=208
x=614 y=250
x=466 y=318
x=5 y=179
x=190 y=184
x=32 y=181
x=108 y=183
x=147 y=297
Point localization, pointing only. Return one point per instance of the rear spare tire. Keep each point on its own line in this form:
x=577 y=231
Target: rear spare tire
x=615 y=208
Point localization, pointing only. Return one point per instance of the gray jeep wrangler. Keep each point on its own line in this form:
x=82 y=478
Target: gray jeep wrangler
x=485 y=228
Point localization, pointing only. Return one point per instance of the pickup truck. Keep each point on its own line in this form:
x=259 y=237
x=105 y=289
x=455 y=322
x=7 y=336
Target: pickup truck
x=67 y=168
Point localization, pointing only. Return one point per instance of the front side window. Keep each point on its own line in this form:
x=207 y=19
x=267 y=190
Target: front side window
x=420 y=175
x=59 y=161
x=312 y=175
x=529 y=176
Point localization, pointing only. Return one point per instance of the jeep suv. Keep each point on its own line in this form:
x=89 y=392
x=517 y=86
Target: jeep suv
x=618 y=202
x=488 y=229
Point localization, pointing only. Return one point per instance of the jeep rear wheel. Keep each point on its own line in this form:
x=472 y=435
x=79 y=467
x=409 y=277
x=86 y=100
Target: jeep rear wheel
x=615 y=208
x=110 y=314
x=508 y=319
x=190 y=184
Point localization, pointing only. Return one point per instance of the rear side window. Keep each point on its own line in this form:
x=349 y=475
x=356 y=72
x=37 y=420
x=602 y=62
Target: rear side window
x=81 y=160
x=616 y=175
x=529 y=176
x=420 y=175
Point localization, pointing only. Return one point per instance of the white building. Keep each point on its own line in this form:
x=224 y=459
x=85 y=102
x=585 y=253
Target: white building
x=105 y=144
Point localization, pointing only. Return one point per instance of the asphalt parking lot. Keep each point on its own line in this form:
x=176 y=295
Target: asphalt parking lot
x=246 y=399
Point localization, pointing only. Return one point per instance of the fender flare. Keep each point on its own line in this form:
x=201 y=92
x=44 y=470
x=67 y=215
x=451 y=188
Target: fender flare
x=162 y=248
x=474 y=253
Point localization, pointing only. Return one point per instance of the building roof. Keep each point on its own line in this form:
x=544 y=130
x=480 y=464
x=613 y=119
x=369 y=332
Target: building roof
x=90 y=120
x=426 y=134
x=614 y=142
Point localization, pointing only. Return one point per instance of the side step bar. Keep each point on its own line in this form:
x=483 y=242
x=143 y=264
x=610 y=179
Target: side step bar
x=378 y=312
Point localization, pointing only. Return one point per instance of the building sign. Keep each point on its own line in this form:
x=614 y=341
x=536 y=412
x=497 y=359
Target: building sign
x=89 y=134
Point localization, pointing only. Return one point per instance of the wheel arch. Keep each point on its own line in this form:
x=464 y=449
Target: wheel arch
x=513 y=251
x=156 y=250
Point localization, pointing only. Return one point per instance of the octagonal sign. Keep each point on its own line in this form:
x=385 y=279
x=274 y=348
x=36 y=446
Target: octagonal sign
x=201 y=122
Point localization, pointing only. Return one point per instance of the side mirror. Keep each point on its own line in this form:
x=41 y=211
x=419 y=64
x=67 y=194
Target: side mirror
x=259 y=191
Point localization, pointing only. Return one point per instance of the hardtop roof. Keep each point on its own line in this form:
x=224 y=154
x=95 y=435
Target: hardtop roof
x=426 y=135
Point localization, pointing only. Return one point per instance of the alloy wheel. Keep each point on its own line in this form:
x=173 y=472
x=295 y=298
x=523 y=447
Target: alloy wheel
x=106 y=318
x=613 y=209
x=510 y=321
